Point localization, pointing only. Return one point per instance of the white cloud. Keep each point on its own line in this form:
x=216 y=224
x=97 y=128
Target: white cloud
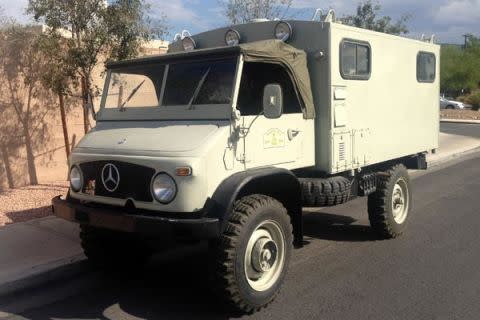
x=179 y=12
x=458 y=12
x=175 y=10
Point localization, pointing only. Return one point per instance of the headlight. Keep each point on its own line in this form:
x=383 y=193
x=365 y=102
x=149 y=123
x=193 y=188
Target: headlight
x=76 y=179
x=188 y=44
x=232 y=38
x=164 y=188
x=283 y=31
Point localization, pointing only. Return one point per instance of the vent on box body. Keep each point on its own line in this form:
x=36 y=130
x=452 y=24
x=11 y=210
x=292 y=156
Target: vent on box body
x=341 y=151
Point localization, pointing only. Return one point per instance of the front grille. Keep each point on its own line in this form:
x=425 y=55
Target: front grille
x=134 y=180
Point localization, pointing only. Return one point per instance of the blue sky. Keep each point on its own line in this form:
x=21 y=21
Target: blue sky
x=448 y=19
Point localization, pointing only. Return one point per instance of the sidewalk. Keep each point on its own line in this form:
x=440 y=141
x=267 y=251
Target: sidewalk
x=48 y=249
x=451 y=147
x=30 y=250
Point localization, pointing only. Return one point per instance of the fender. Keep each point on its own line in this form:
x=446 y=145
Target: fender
x=277 y=183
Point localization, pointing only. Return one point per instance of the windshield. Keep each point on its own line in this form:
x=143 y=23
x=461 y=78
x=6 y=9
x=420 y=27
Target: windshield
x=173 y=85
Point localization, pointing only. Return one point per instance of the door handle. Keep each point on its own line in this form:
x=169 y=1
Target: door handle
x=292 y=133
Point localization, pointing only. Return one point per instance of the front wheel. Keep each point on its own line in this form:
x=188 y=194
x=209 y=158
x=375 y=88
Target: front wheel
x=389 y=207
x=252 y=255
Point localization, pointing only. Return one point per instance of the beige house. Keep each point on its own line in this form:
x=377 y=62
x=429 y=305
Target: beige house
x=51 y=162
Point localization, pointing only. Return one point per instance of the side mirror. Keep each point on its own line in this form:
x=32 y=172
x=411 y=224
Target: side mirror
x=272 y=101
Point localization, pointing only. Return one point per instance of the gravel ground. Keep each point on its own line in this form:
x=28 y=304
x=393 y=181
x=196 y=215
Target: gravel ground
x=23 y=204
x=460 y=114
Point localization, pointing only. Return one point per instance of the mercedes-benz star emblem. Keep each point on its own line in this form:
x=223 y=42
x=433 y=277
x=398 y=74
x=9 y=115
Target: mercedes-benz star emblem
x=110 y=177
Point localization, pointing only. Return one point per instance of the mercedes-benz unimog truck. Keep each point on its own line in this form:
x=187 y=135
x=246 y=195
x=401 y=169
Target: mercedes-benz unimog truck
x=225 y=139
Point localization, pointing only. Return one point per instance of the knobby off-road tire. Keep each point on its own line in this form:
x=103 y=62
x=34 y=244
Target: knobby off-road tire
x=106 y=248
x=389 y=207
x=251 y=258
x=325 y=192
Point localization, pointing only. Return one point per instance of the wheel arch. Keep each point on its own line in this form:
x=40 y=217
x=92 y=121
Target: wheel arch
x=280 y=184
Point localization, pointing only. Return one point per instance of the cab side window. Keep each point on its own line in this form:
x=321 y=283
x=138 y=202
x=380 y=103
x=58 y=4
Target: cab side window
x=254 y=79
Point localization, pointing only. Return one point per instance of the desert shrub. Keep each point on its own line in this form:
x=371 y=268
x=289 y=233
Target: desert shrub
x=474 y=100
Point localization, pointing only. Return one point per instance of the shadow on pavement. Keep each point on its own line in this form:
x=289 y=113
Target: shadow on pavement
x=328 y=226
x=29 y=214
x=168 y=287
x=174 y=285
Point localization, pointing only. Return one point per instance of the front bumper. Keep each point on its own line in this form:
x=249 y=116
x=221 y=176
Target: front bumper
x=120 y=220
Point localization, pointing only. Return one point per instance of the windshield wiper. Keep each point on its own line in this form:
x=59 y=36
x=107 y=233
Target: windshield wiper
x=134 y=91
x=197 y=89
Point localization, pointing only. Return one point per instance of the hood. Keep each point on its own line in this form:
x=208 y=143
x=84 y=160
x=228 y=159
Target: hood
x=150 y=136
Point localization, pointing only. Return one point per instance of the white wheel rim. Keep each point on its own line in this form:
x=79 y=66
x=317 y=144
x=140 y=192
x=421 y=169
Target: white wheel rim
x=400 y=201
x=265 y=256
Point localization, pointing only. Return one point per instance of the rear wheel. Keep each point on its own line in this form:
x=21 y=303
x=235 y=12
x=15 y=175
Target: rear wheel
x=252 y=255
x=389 y=207
x=107 y=248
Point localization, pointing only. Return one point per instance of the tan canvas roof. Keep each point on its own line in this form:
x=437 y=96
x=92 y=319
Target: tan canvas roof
x=271 y=51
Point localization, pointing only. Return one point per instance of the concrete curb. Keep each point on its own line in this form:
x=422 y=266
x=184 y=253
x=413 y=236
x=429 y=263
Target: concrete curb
x=51 y=272
x=453 y=156
x=460 y=121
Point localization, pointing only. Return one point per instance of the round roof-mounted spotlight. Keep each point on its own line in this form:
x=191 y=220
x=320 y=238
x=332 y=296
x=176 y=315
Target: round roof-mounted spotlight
x=283 y=31
x=232 y=38
x=188 y=44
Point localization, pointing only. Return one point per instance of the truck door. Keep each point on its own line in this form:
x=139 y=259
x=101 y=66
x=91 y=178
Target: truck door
x=269 y=141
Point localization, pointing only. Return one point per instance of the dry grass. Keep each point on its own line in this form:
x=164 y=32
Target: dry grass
x=23 y=204
x=460 y=114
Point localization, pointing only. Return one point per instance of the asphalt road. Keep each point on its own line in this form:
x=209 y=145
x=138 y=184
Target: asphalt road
x=462 y=129
x=344 y=271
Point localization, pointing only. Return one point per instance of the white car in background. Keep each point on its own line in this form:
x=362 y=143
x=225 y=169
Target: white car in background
x=451 y=104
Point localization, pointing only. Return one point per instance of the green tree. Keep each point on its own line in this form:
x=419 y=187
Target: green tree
x=243 y=11
x=460 y=68
x=96 y=32
x=367 y=17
